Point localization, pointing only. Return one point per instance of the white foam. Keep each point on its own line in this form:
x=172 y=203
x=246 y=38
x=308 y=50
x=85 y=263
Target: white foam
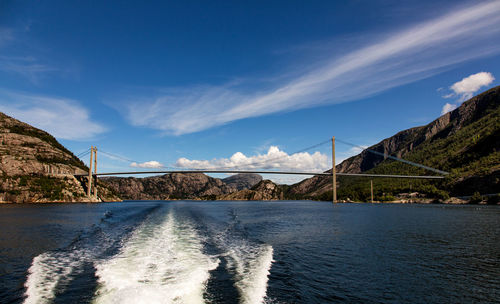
x=46 y=273
x=162 y=262
x=252 y=263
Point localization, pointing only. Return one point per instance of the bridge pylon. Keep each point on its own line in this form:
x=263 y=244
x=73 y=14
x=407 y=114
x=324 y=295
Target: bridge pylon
x=92 y=165
x=334 y=175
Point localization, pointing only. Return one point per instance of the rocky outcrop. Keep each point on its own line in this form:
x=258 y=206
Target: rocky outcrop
x=265 y=190
x=169 y=186
x=35 y=167
x=242 y=181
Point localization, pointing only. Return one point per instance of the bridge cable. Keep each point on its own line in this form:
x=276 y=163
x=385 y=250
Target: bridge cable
x=82 y=153
x=385 y=155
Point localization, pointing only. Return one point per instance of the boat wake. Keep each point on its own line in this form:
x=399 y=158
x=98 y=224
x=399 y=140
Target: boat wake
x=52 y=272
x=162 y=262
x=247 y=260
x=161 y=259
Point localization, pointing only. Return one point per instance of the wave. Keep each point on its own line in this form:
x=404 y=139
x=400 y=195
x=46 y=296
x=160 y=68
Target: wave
x=47 y=272
x=247 y=260
x=51 y=272
x=162 y=261
x=252 y=265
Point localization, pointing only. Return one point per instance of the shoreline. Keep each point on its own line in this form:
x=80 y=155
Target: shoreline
x=426 y=201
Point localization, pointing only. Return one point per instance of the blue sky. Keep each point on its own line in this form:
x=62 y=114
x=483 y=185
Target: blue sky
x=192 y=83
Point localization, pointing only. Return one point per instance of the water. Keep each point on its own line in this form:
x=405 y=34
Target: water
x=249 y=252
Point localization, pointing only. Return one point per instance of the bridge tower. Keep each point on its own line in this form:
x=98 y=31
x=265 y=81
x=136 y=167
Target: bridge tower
x=334 y=175
x=92 y=165
x=95 y=172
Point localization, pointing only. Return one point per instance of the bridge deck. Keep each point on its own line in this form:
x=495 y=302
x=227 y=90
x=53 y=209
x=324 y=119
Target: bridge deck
x=265 y=172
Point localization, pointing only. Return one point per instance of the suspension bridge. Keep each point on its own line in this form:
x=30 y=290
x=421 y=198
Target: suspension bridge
x=93 y=174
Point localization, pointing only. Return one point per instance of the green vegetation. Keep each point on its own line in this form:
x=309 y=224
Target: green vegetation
x=49 y=187
x=476 y=198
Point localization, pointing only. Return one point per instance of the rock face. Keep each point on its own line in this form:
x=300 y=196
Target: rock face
x=242 y=181
x=458 y=141
x=265 y=190
x=169 y=186
x=35 y=167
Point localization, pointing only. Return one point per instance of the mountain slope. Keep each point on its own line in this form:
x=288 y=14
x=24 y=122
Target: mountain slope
x=35 y=167
x=464 y=142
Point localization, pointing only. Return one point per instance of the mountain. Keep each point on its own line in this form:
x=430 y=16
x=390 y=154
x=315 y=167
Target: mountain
x=168 y=186
x=242 y=181
x=35 y=167
x=180 y=186
x=265 y=190
x=464 y=142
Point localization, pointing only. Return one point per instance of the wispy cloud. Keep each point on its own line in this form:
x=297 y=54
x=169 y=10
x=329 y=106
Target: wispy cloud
x=12 y=60
x=63 y=118
x=466 y=88
x=274 y=159
x=401 y=57
x=27 y=67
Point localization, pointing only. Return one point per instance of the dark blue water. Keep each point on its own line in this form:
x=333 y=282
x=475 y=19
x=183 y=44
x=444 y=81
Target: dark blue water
x=249 y=252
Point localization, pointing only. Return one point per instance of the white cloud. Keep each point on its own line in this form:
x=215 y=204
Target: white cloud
x=63 y=118
x=466 y=87
x=148 y=164
x=402 y=57
x=274 y=159
x=448 y=108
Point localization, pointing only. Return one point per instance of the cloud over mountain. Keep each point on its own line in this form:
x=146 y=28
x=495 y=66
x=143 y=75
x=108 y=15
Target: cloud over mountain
x=466 y=88
x=63 y=118
x=274 y=159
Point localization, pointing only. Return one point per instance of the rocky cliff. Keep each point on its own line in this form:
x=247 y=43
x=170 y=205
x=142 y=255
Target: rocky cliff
x=265 y=190
x=169 y=186
x=35 y=167
x=180 y=186
x=242 y=181
x=465 y=142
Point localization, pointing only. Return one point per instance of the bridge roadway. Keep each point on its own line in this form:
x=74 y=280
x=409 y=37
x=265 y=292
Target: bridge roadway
x=265 y=172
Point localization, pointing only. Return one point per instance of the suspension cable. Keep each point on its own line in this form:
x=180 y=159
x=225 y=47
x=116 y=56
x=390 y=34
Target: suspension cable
x=385 y=155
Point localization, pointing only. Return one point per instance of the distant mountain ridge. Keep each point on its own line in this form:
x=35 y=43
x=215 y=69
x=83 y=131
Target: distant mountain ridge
x=180 y=186
x=265 y=190
x=242 y=181
x=168 y=186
